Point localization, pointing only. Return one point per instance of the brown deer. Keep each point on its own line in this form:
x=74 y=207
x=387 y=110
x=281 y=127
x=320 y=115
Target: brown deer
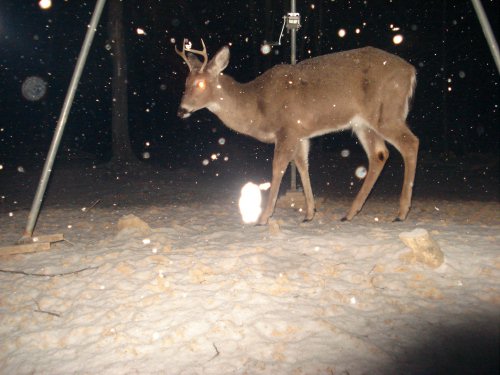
x=366 y=90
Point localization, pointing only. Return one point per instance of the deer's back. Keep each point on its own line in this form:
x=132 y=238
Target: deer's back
x=354 y=81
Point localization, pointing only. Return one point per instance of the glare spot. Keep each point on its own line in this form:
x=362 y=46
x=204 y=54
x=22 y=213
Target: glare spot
x=461 y=74
x=342 y=33
x=1 y=167
x=358 y=30
x=250 y=203
x=146 y=241
x=353 y=300
x=45 y=4
x=20 y=169
x=146 y=155
x=205 y=162
x=222 y=141
x=213 y=157
x=397 y=39
x=360 y=172
x=265 y=186
x=34 y=88
x=345 y=153
x=140 y=31
x=265 y=49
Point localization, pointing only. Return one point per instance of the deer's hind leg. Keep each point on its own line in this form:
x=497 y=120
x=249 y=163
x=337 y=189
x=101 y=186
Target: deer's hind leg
x=377 y=152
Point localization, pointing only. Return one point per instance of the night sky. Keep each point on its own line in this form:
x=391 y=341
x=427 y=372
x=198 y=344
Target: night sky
x=455 y=111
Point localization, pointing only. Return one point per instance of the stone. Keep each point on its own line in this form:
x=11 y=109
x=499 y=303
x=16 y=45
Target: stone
x=133 y=222
x=424 y=248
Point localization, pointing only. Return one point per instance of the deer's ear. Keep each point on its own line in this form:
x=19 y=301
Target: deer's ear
x=219 y=61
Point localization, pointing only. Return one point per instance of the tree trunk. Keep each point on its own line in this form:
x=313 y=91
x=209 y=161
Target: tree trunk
x=121 y=147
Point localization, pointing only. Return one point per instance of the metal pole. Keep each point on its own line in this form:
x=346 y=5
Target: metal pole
x=293 y=61
x=61 y=123
x=488 y=33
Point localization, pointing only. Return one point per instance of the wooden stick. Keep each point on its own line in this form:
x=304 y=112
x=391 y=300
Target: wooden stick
x=27 y=248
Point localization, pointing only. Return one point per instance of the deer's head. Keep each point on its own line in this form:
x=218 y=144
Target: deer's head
x=202 y=82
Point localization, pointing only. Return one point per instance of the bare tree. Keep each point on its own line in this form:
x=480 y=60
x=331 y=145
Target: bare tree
x=121 y=147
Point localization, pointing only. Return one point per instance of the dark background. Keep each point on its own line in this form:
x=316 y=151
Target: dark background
x=443 y=39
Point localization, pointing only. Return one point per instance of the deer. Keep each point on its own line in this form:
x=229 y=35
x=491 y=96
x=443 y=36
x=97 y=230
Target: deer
x=366 y=90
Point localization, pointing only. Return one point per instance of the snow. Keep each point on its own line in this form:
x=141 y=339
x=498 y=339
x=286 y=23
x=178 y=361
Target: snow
x=202 y=293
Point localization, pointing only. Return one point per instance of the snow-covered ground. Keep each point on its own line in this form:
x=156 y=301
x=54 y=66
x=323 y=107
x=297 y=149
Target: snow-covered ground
x=202 y=293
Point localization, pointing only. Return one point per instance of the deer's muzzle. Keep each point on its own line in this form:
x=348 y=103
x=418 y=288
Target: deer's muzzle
x=183 y=112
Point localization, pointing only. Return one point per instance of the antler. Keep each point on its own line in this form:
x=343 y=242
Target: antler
x=198 y=52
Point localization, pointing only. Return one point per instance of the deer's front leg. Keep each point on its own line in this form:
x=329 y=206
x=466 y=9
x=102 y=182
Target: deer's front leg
x=284 y=152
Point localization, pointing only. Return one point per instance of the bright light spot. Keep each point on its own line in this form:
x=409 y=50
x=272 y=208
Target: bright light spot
x=313 y=6
x=249 y=203
x=226 y=158
x=201 y=84
x=265 y=49
x=140 y=31
x=222 y=141
x=1 y=167
x=20 y=169
x=213 y=157
x=449 y=88
x=358 y=30
x=154 y=250
x=146 y=241
x=70 y=226
x=45 y=4
x=398 y=39
x=205 y=162
x=345 y=153
x=342 y=33
x=461 y=74
x=147 y=144
x=353 y=300
x=11 y=214
x=156 y=336
x=146 y=155
x=360 y=172
x=34 y=88
x=265 y=186
x=376 y=219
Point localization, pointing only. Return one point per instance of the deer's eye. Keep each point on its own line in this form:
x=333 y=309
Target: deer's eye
x=201 y=84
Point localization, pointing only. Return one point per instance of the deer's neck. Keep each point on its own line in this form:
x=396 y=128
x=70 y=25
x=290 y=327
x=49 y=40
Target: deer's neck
x=236 y=105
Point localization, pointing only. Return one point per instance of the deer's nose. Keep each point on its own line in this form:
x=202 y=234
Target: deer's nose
x=183 y=112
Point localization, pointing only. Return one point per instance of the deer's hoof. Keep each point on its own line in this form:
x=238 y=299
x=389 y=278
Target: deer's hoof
x=344 y=219
x=397 y=220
